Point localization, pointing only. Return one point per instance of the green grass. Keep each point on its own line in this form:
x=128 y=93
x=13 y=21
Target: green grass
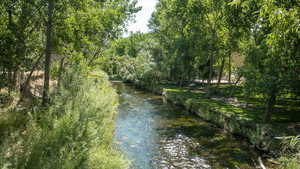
x=219 y=106
x=286 y=109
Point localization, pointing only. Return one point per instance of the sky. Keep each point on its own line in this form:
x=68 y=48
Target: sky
x=143 y=16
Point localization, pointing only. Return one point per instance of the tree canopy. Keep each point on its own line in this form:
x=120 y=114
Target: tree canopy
x=252 y=42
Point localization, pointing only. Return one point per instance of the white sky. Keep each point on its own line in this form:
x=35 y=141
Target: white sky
x=143 y=16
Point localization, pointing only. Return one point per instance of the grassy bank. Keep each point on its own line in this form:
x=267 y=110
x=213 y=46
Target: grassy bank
x=75 y=131
x=232 y=99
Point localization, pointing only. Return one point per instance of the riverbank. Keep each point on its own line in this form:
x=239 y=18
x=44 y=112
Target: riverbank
x=230 y=117
x=75 y=131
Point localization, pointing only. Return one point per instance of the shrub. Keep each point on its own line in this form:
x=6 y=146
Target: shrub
x=76 y=131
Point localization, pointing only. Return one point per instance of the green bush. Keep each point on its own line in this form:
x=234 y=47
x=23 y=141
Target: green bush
x=76 y=131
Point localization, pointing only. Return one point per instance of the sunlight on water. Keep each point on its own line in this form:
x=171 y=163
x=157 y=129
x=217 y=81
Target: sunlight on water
x=176 y=153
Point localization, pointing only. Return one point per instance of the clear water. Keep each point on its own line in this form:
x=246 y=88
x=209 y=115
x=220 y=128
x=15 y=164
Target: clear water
x=155 y=135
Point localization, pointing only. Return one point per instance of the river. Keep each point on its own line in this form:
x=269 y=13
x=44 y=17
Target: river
x=156 y=135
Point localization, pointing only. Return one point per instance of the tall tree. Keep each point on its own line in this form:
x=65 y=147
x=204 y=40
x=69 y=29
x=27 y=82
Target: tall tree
x=48 y=50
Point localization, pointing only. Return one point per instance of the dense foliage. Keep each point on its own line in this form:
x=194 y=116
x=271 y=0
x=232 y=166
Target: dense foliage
x=252 y=42
x=66 y=32
x=53 y=112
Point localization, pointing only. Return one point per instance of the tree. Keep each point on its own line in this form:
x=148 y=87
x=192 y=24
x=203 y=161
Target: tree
x=269 y=42
x=74 y=32
x=48 y=50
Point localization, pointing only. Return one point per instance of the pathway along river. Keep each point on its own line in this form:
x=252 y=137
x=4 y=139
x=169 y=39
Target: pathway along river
x=154 y=135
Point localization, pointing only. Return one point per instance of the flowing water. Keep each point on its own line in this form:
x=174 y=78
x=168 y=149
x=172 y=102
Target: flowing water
x=156 y=135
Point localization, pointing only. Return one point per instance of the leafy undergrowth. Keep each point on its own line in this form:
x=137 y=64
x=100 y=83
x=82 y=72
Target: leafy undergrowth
x=75 y=131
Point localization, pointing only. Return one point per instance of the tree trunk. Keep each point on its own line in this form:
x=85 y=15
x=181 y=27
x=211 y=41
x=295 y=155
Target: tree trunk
x=11 y=74
x=21 y=54
x=221 y=71
x=210 y=75
x=48 y=52
x=94 y=57
x=61 y=67
x=9 y=77
x=18 y=29
x=20 y=44
x=25 y=85
x=271 y=101
x=235 y=84
x=14 y=84
x=229 y=68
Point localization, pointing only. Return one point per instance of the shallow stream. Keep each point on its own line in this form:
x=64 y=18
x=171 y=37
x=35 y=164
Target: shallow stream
x=156 y=135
